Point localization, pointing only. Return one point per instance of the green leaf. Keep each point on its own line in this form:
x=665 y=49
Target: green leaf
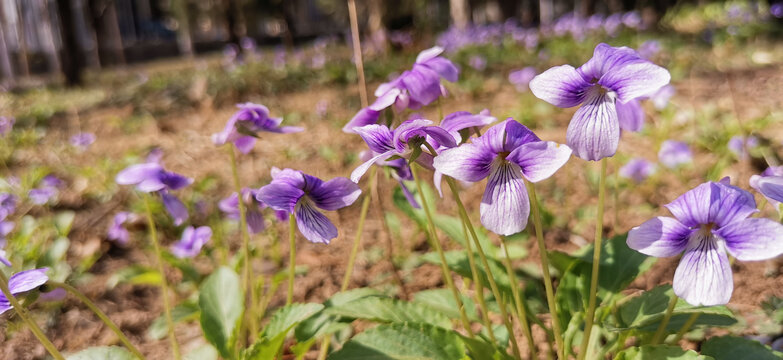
x=654 y=352
x=103 y=353
x=134 y=275
x=732 y=347
x=183 y=312
x=63 y=222
x=289 y=316
x=55 y=253
x=203 y=352
x=265 y=349
x=390 y=310
x=321 y=323
x=403 y=342
x=481 y=349
x=221 y=302
x=443 y=301
x=458 y=262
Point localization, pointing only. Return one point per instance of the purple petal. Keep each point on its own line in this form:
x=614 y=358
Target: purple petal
x=4 y=260
x=291 y=177
x=230 y=206
x=312 y=224
x=255 y=221
x=335 y=194
x=635 y=79
x=357 y=173
x=711 y=203
x=674 y=153
x=753 y=239
x=443 y=67
x=385 y=100
x=191 y=242
x=145 y=176
x=175 y=207
x=659 y=237
x=607 y=59
x=505 y=206
x=245 y=143
x=441 y=136
x=539 y=160
x=27 y=280
x=423 y=84
x=637 y=169
x=594 y=131
x=364 y=117
x=462 y=120
x=630 y=115
x=506 y=136
x=467 y=162
x=174 y=181
x=379 y=138
x=428 y=54
x=280 y=196
x=771 y=187
x=561 y=86
x=703 y=277
x=408 y=195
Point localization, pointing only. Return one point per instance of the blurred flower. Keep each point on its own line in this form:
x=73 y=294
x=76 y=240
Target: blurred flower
x=5 y=228
x=253 y=207
x=47 y=189
x=708 y=220
x=477 y=62
x=82 y=140
x=193 y=239
x=401 y=38
x=507 y=154
x=322 y=108
x=633 y=20
x=250 y=119
x=649 y=48
x=612 y=79
x=637 y=169
x=23 y=282
x=117 y=231
x=521 y=78
x=300 y=194
x=740 y=146
x=6 y=124
x=776 y=10
x=661 y=97
x=153 y=178
x=674 y=153
x=770 y=184
x=7 y=204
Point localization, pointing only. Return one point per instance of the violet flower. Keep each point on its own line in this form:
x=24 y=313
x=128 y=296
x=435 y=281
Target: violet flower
x=300 y=194
x=708 y=220
x=507 y=154
x=674 y=153
x=153 y=178
x=82 y=140
x=661 y=97
x=649 y=49
x=612 y=79
x=477 y=62
x=193 y=239
x=637 y=169
x=253 y=207
x=740 y=146
x=5 y=228
x=250 y=119
x=521 y=78
x=6 y=125
x=117 y=231
x=23 y=282
x=7 y=205
x=47 y=189
x=770 y=184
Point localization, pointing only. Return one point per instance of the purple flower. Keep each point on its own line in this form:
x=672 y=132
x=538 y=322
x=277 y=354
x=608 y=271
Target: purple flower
x=507 y=154
x=770 y=184
x=612 y=78
x=777 y=10
x=117 y=231
x=82 y=140
x=477 y=62
x=740 y=145
x=708 y=220
x=6 y=124
x=7 y=205
x=661 y=97
x=300 y=194
x=632 y=19
x=47 y=189
x=152 y=178
x=322 y=108
x=253 y=207
x=521 y=78
x=649 y=48
x=242 y=127
x=5 y=228
x=674 y=153
x=411 y=134
x=23 y=282
x=193 y=239
x=637 y=169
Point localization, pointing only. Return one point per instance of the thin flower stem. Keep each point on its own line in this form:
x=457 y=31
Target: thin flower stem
x=479 y=285
x=324 y=350
x=39 y=334
x=659 y=334
x=433 y=237
x=357 y=241
x=246 y=279
x=518 y=302
x=543 y=254
x=686 y=327
x=761 y=207
x=95 y=309
x=492 y=284
x=164 y=284
x=291 y=258
x=357 y=51
x=599 y=222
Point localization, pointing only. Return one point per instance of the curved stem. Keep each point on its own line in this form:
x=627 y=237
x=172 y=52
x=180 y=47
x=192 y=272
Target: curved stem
x=656 y=339
x=433 y=237
x=599 y=225
x=39 y=334
x=164 y=285
x=291 y=258
x=518 y=302
x=685 y=327
x=479 y=286
x=543 y=254
x=357 y=241
x=94 y=308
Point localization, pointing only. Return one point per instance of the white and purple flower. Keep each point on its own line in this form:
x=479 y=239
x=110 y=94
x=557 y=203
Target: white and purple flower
x=770 y=184
x=6 y=125
x=23 y=282
x=117 y=231
x=82 y=140
x=253 y=207
x=521 y=78
x=48 y=188
x=250 y=119
x=674 y=153
x=637 y=169
x=153 y=178
x=193 y=239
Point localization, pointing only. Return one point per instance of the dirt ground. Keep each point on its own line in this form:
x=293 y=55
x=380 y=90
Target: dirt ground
x=185 y=140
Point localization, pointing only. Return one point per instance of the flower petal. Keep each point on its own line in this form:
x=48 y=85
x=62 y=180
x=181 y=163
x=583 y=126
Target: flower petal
x=630 y=115
x=467 y=162
x=357 y=173
x=505 y=206
x=659 y=237
x=443 y=67
x=428 y=54
x=255 y=222
x=27 y=280
x=561 y=86
x=146 y=176
x=423 y=84
x=315 y=226
x=279 y=196
x=594 y=131
x=539 y=160
x=703 y=277
x=175 y=207
x=635 y=79
x=462 y=120
x=771 y=187
x=712 y=202
x=753 y=239
x=335 y=194
x=379 y=138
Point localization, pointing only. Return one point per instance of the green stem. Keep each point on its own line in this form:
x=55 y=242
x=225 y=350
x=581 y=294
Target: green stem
x=599 y=225
x=246 y=279
x=656 y=339
x=436 y=244
x=291 y=258
x=357 y=241
x=482 y=256
x=479 y=285
x=39 y=334
x=164 y=284
x=520 y=306
x=324 y=350
x=100 y=315
x=544 y=257
x=685 y=327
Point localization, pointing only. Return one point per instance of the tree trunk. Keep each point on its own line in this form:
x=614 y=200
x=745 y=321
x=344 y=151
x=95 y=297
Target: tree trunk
x=70 y=53
x=107 y=31
x=235 y=24
x=6 y=69
x=184 y=39
x=46 y=34
x=375 y=24
x=546 y=10
x=460 y=13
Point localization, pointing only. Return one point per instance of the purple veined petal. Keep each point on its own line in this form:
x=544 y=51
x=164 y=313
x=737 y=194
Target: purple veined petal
x=281 y=215
x=753 y=239
x=335 y=194
x=505 y=206
x=357 y=173
x=408 y=130
x=637 y=169
x=27 y=280
x=428 y=54
x=594 y=131
x=461 y=120
x=42 y=195
x=145 y=176
x=255 y=221
x=539 y=160
x=422 y=84
x=467 y=162
x=771 y=187
x=230 y=206
x=703 y=277
x=294 y=178
x=506 y=136
x=408 y=195
x=280 y=196
x=364 y=117
x=659 y=237
x=386 y=87
x=561 y=86
x=315 y=227
x=245 y=143
x=174 y=181
x=607 y=59
x=189 y=246
x=636 y=79
x=441 y=136
x=379 y=138
x=117 y=231
x=175 y=208
x=228 y=132
x=443 y=67
x=674 y=153
x=385 y=100
x=630 y=115
x=289 y=129
x=712 y=203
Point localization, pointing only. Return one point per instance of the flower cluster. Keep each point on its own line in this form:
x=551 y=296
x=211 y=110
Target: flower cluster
x=242 y=127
